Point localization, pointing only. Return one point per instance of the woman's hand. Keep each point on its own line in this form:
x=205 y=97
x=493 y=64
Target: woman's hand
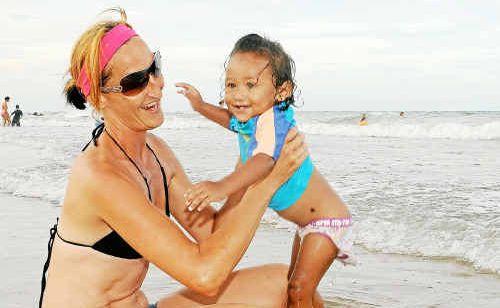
x=191 y=94
x=293 y=153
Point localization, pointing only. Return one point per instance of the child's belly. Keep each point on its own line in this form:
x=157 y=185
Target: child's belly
x=318 y=201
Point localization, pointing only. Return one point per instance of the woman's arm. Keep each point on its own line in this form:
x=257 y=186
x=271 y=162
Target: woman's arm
x=230 y=203
x=216 y=114
x=202 y=266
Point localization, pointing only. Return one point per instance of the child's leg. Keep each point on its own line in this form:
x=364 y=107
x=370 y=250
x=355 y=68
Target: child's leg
x=315 y=256
x=295 y=252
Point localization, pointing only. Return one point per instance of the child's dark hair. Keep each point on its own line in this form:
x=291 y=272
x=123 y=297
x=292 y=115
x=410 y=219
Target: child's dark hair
x=282 y=65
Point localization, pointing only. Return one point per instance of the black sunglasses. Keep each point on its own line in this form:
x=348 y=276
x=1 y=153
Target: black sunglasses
x=134 y=83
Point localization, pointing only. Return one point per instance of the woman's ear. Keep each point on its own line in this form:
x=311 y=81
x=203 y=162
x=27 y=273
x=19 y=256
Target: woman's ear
x=103 y=102
x=284 y=91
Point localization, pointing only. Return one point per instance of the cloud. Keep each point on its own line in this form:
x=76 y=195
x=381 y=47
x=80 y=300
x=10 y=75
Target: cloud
x=360 y=49
x=22 y=17
x=7 y=65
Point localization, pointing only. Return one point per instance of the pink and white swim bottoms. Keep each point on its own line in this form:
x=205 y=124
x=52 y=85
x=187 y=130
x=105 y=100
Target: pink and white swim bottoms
x=338 y=230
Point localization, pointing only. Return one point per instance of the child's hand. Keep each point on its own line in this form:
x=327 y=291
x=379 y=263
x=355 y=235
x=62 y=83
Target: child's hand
x=191 y=94
x=202 y=194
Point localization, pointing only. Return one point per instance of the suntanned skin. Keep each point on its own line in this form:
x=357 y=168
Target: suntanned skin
x=249 y=92
x=5 y=114
x=105 y=192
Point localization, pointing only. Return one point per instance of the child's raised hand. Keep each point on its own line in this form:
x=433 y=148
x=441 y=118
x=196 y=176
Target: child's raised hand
x=202 y=194
x=190 y=93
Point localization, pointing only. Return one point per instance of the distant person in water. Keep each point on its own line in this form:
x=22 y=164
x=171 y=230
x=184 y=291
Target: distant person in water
x=5 y=112
x=402 y=114
x=17 y=115
x=363 y=121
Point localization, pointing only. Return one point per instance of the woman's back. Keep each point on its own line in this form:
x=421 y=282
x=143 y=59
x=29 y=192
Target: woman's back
x=82 y=277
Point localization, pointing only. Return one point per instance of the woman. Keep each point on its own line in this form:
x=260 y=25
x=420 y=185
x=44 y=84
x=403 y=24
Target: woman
x=125 y=185
x=5 y=112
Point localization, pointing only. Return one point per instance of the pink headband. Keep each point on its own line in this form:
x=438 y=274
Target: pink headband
x=110 y=43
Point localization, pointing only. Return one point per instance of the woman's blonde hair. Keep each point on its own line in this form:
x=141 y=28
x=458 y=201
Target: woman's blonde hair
x=86 y=53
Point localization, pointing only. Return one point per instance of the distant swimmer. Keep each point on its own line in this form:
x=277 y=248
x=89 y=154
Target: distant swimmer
x=363 y=121
x=5 y=112
x=17 y=115
x=402 y=114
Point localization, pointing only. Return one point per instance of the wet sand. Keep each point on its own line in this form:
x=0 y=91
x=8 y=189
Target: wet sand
x=384 y=280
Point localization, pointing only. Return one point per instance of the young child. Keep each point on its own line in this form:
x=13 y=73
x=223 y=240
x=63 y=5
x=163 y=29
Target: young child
x=259 y=89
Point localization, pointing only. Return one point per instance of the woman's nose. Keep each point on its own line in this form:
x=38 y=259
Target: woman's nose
x=156 y=84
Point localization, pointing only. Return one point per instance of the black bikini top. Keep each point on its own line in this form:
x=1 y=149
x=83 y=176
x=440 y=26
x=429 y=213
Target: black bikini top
x=111 y=244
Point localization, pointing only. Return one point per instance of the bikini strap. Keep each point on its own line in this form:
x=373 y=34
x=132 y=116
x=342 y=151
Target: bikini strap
x=96 y=132
x=132 y=161
x=52 y=232
x=95 y=135
x=165 y=186
x=70 y=242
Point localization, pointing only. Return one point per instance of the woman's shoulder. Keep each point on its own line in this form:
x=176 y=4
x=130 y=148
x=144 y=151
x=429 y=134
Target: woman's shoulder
x=160 y=145
x=93 y=181
x=89 y=168
x=87 y=180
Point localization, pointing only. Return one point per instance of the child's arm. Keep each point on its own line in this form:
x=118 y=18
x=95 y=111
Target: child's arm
x=268 y=144
x=216 y=114
x=255 y=169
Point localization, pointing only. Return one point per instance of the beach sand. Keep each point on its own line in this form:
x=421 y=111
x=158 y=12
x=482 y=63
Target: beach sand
x=384 y=280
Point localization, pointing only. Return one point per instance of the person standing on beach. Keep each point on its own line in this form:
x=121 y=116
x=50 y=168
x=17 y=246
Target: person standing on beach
x=127 y=185
x=5 y=112
x=16 y=120
x=259 y=94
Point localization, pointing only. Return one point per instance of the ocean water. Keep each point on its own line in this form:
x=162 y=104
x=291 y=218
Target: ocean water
x=427 y=184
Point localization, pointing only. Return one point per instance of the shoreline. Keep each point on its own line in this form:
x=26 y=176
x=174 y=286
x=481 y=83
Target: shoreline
x=438 y=259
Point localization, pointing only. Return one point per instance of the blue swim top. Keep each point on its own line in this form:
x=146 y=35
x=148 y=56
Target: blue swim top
x=266 y=134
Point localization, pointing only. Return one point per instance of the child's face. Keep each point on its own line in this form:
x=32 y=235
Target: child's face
x=249 y=88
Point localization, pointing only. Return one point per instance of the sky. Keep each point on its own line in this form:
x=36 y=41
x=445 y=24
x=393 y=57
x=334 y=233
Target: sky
x=350 y=55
